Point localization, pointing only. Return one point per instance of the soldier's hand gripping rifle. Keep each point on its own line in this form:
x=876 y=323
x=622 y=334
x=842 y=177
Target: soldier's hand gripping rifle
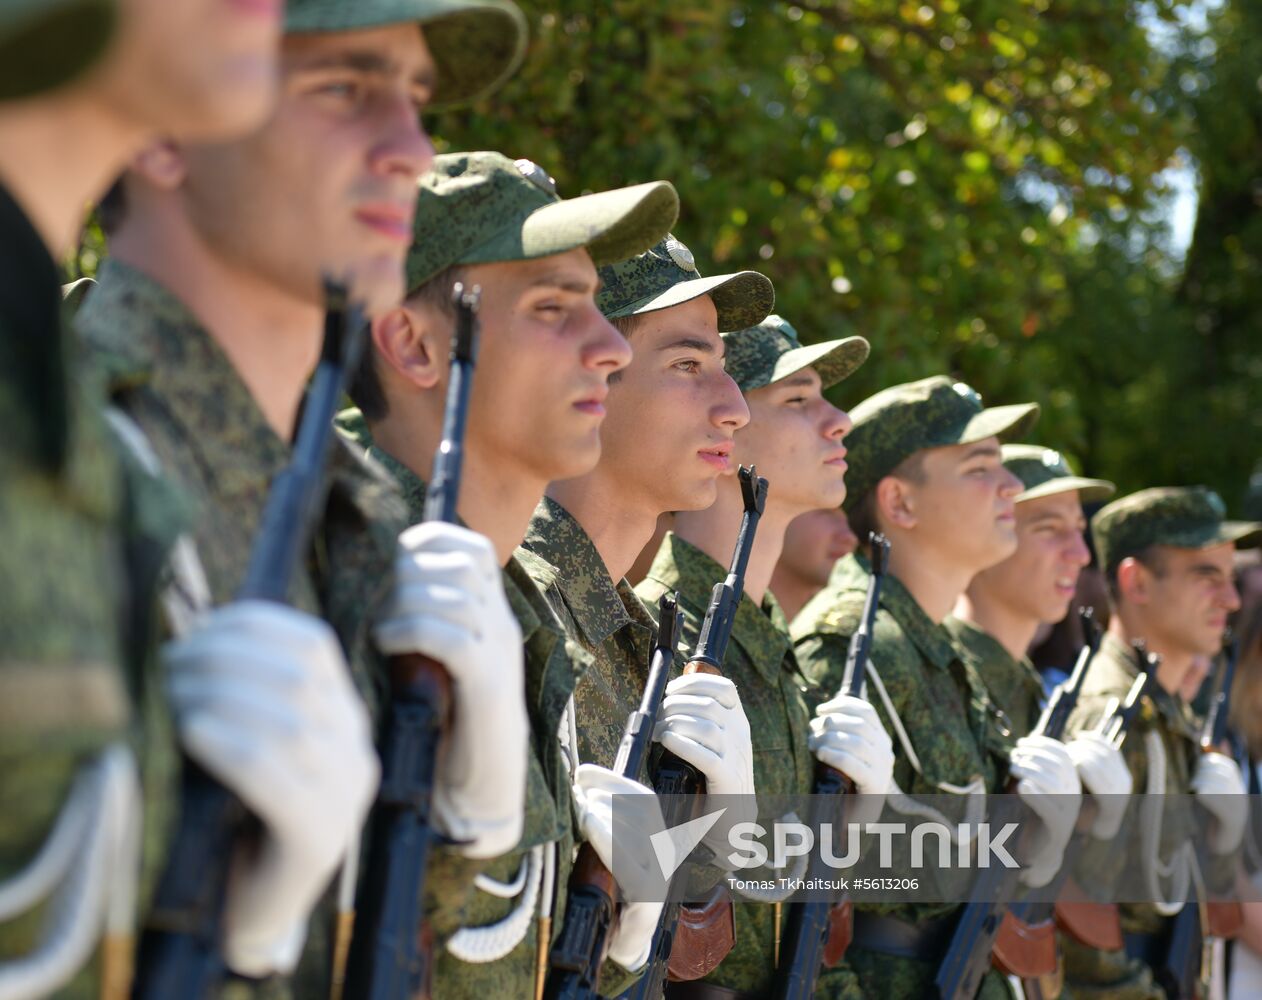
x=181 y=948
x=579 y=952
x=1180 y=973
x=808 y=924
x=969 y=954
x=388 y=958
x=674 y=777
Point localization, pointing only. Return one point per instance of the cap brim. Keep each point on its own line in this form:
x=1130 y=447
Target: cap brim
x=45 y=44
x=1004 y=422
x=742 y=299
x=495 y=30
x=1246 y=534
x=1089 y=490
x=612 y=225
x=834 y=360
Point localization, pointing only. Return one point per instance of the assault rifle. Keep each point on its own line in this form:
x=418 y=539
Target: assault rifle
x=389 y=954
x=969 y=955
x=180 y=950
x=1179 y=974
x=809 y=923
x=673 y=777
x=589 y=907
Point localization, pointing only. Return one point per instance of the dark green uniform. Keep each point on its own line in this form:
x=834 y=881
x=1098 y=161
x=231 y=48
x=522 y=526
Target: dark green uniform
x=761 y=664
x=1014 y=686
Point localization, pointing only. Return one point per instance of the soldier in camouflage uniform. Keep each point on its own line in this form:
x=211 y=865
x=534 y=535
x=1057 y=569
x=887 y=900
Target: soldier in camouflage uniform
x=794 y=438
x=925 y=470
x=206 y=322
x=1167 y=556
x=813 y=543
x=544 y=358
x=82 y=84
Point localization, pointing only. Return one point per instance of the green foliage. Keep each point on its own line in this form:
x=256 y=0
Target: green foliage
x=971 y=184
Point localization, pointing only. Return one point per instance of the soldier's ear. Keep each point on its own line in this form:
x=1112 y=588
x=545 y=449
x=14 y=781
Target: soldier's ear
x=1133 y=579
x=161 y=164
x=896 y=503
x=406 y=344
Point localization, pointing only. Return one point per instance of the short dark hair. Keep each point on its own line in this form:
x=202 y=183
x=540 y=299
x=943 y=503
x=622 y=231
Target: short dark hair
x=863 y=516
x=625 y=325
x=1152 y=558
x=365 y=388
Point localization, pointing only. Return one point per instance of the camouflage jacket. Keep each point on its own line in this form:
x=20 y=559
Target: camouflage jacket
x=1014 y=686
x=761 y=664
x=950 y=723
x=552 y=667
x=212 y=442
x=1112 y=672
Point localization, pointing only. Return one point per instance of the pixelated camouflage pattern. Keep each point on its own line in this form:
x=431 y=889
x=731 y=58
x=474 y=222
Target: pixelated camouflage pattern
x=1187 y=517
x=213 y=443
x=761 y=664
x=932 y=413
x=476 y=44
x=1090 y=971
x=766 y=353
x=1014 y=686
x=666 y=275
x=47 y=43
x=949 y=719
x=1043 y=471
x=490 y=208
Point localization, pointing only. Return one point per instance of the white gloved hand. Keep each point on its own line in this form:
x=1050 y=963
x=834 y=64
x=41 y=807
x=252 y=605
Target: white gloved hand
x=1047 y=783
x=846 y=734
x=449 y=604
x=1103 y=772
x=594 y=789
x=1221 y=790
x=702 y=722
x=264 y=702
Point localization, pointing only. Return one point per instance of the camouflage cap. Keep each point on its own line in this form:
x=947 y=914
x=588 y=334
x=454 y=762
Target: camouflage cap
x=1044 y=472
x=482 y=208
x=932 y=413
x=476 y=44
x=46 y=43
x=766 y=353
x=666 y=275
x=1187 y=517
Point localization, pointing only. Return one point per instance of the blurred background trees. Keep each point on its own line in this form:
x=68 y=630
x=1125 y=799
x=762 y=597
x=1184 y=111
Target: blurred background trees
x=980 y=187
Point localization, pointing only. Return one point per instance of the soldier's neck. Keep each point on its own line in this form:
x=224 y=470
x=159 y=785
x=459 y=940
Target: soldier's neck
x=1127 y=624
x=618 y=518
x=715 y=529
x=58 y=154
x=934 y=581
x=1011 y=629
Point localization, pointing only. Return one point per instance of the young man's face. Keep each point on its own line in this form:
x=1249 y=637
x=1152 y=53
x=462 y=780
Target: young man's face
x=1039 y=579
x=544 y=359
x=794 y=437
x=814 y=542
x=673 y=411
x=965 y=505
x=193 y=69
x=1187 y=597
x=328 y=185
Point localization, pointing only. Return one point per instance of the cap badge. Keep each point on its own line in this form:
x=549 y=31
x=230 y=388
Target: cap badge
x=1052 y=459
x=969 y=393
x=537 y=176
x=1216 y=504
x=680 y=254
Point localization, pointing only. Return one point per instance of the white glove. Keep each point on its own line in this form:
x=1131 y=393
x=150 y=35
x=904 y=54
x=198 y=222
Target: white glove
x=449 y=604
x=702 y=722
x=846 y=734
x=264 y=702
x=1222 y=791
x=594 y=789
x=1103 y=772
x=1048 y=784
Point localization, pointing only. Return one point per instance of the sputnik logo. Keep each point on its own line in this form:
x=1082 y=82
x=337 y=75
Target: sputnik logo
x=672 y=846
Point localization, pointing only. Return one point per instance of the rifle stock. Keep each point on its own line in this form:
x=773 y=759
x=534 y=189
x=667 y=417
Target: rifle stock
x=180 y=949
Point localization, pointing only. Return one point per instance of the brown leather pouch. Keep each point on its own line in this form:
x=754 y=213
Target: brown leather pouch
x=703 y=938
x=1025 y=950
x=1224 y=918
x=1096 y=925
x=840 y=932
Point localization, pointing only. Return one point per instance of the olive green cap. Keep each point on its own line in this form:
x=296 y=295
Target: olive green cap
x=932 y=413
x=483 y=208
x=766 y=353
x=1044 y=471
x=1186 y=517
x=46 y=43
x=476 y=44
x=667 y=275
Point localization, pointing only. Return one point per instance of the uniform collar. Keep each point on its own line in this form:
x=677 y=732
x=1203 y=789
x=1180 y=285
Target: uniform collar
x=762 y=633
x=599 y=606
x=146 y=338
